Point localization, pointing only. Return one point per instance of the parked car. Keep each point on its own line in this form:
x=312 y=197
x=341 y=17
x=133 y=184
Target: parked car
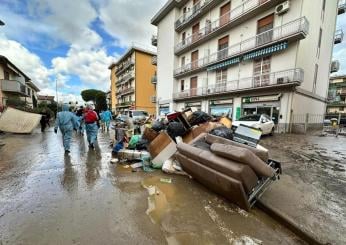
x=137 y=115
x=260 y=121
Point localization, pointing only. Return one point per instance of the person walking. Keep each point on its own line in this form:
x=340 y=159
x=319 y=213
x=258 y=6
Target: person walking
x=107 y=117
x=66 y=122
x=79 y=114
x=91 y=118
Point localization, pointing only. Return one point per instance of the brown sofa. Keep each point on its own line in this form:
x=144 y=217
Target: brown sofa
x=232 y=179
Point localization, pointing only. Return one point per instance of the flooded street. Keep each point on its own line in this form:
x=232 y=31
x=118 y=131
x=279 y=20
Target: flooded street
x=49 y=198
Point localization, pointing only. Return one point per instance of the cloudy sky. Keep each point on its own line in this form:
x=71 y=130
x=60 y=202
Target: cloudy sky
x=74 y=41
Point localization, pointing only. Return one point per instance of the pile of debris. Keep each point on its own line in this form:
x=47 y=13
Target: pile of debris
x=232 y=164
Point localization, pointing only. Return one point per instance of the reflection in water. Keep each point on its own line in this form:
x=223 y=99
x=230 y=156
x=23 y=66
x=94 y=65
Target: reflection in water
x=69 y=181
x=93 y=166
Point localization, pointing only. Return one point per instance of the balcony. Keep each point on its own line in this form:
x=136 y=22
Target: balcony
x=125 y=104
x=129 y=76
x=275 y=80
x=342 y=92
x=236 y=16
x=339 y=35
x=124 y=67
x=14 y=87
x=199 y=9
x=154 y=60
x=153 y=99
x=126 y=91
x=154 y=40
x=154 y=79
x=341 y=7
x=295 y=30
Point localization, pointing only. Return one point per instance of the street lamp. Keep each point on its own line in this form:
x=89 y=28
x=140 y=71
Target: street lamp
x=2 y=23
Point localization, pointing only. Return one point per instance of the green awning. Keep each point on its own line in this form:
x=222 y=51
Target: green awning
x=265 y=51
x=224 y=64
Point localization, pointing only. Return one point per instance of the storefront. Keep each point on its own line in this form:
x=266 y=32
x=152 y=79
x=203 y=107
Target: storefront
x=218 y=108
x=163 y=109
x=195 y=106
x=266 y=104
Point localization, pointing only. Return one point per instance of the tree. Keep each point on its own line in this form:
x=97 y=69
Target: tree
x=90 y=94
x=101 y=101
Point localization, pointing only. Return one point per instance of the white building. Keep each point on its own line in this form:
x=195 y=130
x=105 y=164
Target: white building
x=245 y=56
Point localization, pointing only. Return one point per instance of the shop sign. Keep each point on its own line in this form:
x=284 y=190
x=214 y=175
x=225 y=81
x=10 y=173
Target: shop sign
x=221 y=102
x=261 y=98
x=193 y=104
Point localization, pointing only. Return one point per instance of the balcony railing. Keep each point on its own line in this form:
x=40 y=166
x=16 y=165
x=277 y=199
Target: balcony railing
x=125 y=104
x=196 y=10
x=124 y=66
x=13 y=86
x=275 y=79
x=339 y=35
x=235 y=14
x=154 y=60
x=126 y=78
x=125 y=91
x=295 y=29
x=154 y=40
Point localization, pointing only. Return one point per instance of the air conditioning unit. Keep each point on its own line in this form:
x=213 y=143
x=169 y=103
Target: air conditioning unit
x=282 y=8
x=335 y=66
x=282 y=80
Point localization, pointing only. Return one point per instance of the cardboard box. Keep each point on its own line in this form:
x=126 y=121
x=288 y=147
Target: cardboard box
x=162 y=148
x=149 y=134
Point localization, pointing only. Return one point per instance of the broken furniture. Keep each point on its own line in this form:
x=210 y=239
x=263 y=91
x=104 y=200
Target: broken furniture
x=231 y=169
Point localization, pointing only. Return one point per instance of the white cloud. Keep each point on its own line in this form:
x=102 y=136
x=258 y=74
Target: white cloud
x=129 y=21
x=28 y=62
x=90 y=65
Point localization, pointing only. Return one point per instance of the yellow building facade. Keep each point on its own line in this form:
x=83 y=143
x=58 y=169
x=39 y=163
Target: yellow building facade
x=133 y=81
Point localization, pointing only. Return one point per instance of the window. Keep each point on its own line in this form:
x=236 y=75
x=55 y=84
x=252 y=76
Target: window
x=319 y=44
x=182 y=85
x=182 y=61
x=6 y=75
x=225 y=14
x=222 y=47
x=221 y=76
x=315 y=79
x=261 y=71
x=265 y=28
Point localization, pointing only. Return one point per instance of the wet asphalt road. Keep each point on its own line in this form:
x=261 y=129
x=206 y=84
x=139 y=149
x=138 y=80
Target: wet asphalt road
x=49 y=198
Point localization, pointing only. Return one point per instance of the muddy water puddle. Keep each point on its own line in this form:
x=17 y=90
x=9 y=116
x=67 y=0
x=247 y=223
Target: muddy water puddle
x=189 y=214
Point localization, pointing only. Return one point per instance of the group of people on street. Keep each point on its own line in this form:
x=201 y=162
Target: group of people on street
x=82 y=120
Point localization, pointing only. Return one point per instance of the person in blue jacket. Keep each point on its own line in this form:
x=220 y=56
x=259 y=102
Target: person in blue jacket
x=66 y=122
x=107 y=117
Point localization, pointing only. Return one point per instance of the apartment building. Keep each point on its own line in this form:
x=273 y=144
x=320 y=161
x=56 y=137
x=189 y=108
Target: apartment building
x=242 y=57
x=133 y=81
x=337 y=95
x=48 y=99
x=15 y=84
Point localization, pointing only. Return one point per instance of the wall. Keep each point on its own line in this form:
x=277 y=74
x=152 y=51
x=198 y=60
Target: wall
x=144 y=88
x=165 y=58
x=113 y=79
x=1 y=77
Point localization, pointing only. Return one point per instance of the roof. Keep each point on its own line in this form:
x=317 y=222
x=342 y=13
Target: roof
x=4 y=60
x=45 y=97
x=170 y=4
x=129 y=52
x=33 y=86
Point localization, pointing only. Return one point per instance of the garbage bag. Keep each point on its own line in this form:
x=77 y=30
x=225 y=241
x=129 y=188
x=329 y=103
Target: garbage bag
x=199 y=117
x=175 y=129
x=133 y=141
x=142 y=144
x=223 y=132
x=158 y=126
x=118 y=147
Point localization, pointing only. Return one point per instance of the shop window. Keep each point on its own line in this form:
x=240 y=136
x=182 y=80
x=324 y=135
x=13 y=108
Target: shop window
x=262 y=71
